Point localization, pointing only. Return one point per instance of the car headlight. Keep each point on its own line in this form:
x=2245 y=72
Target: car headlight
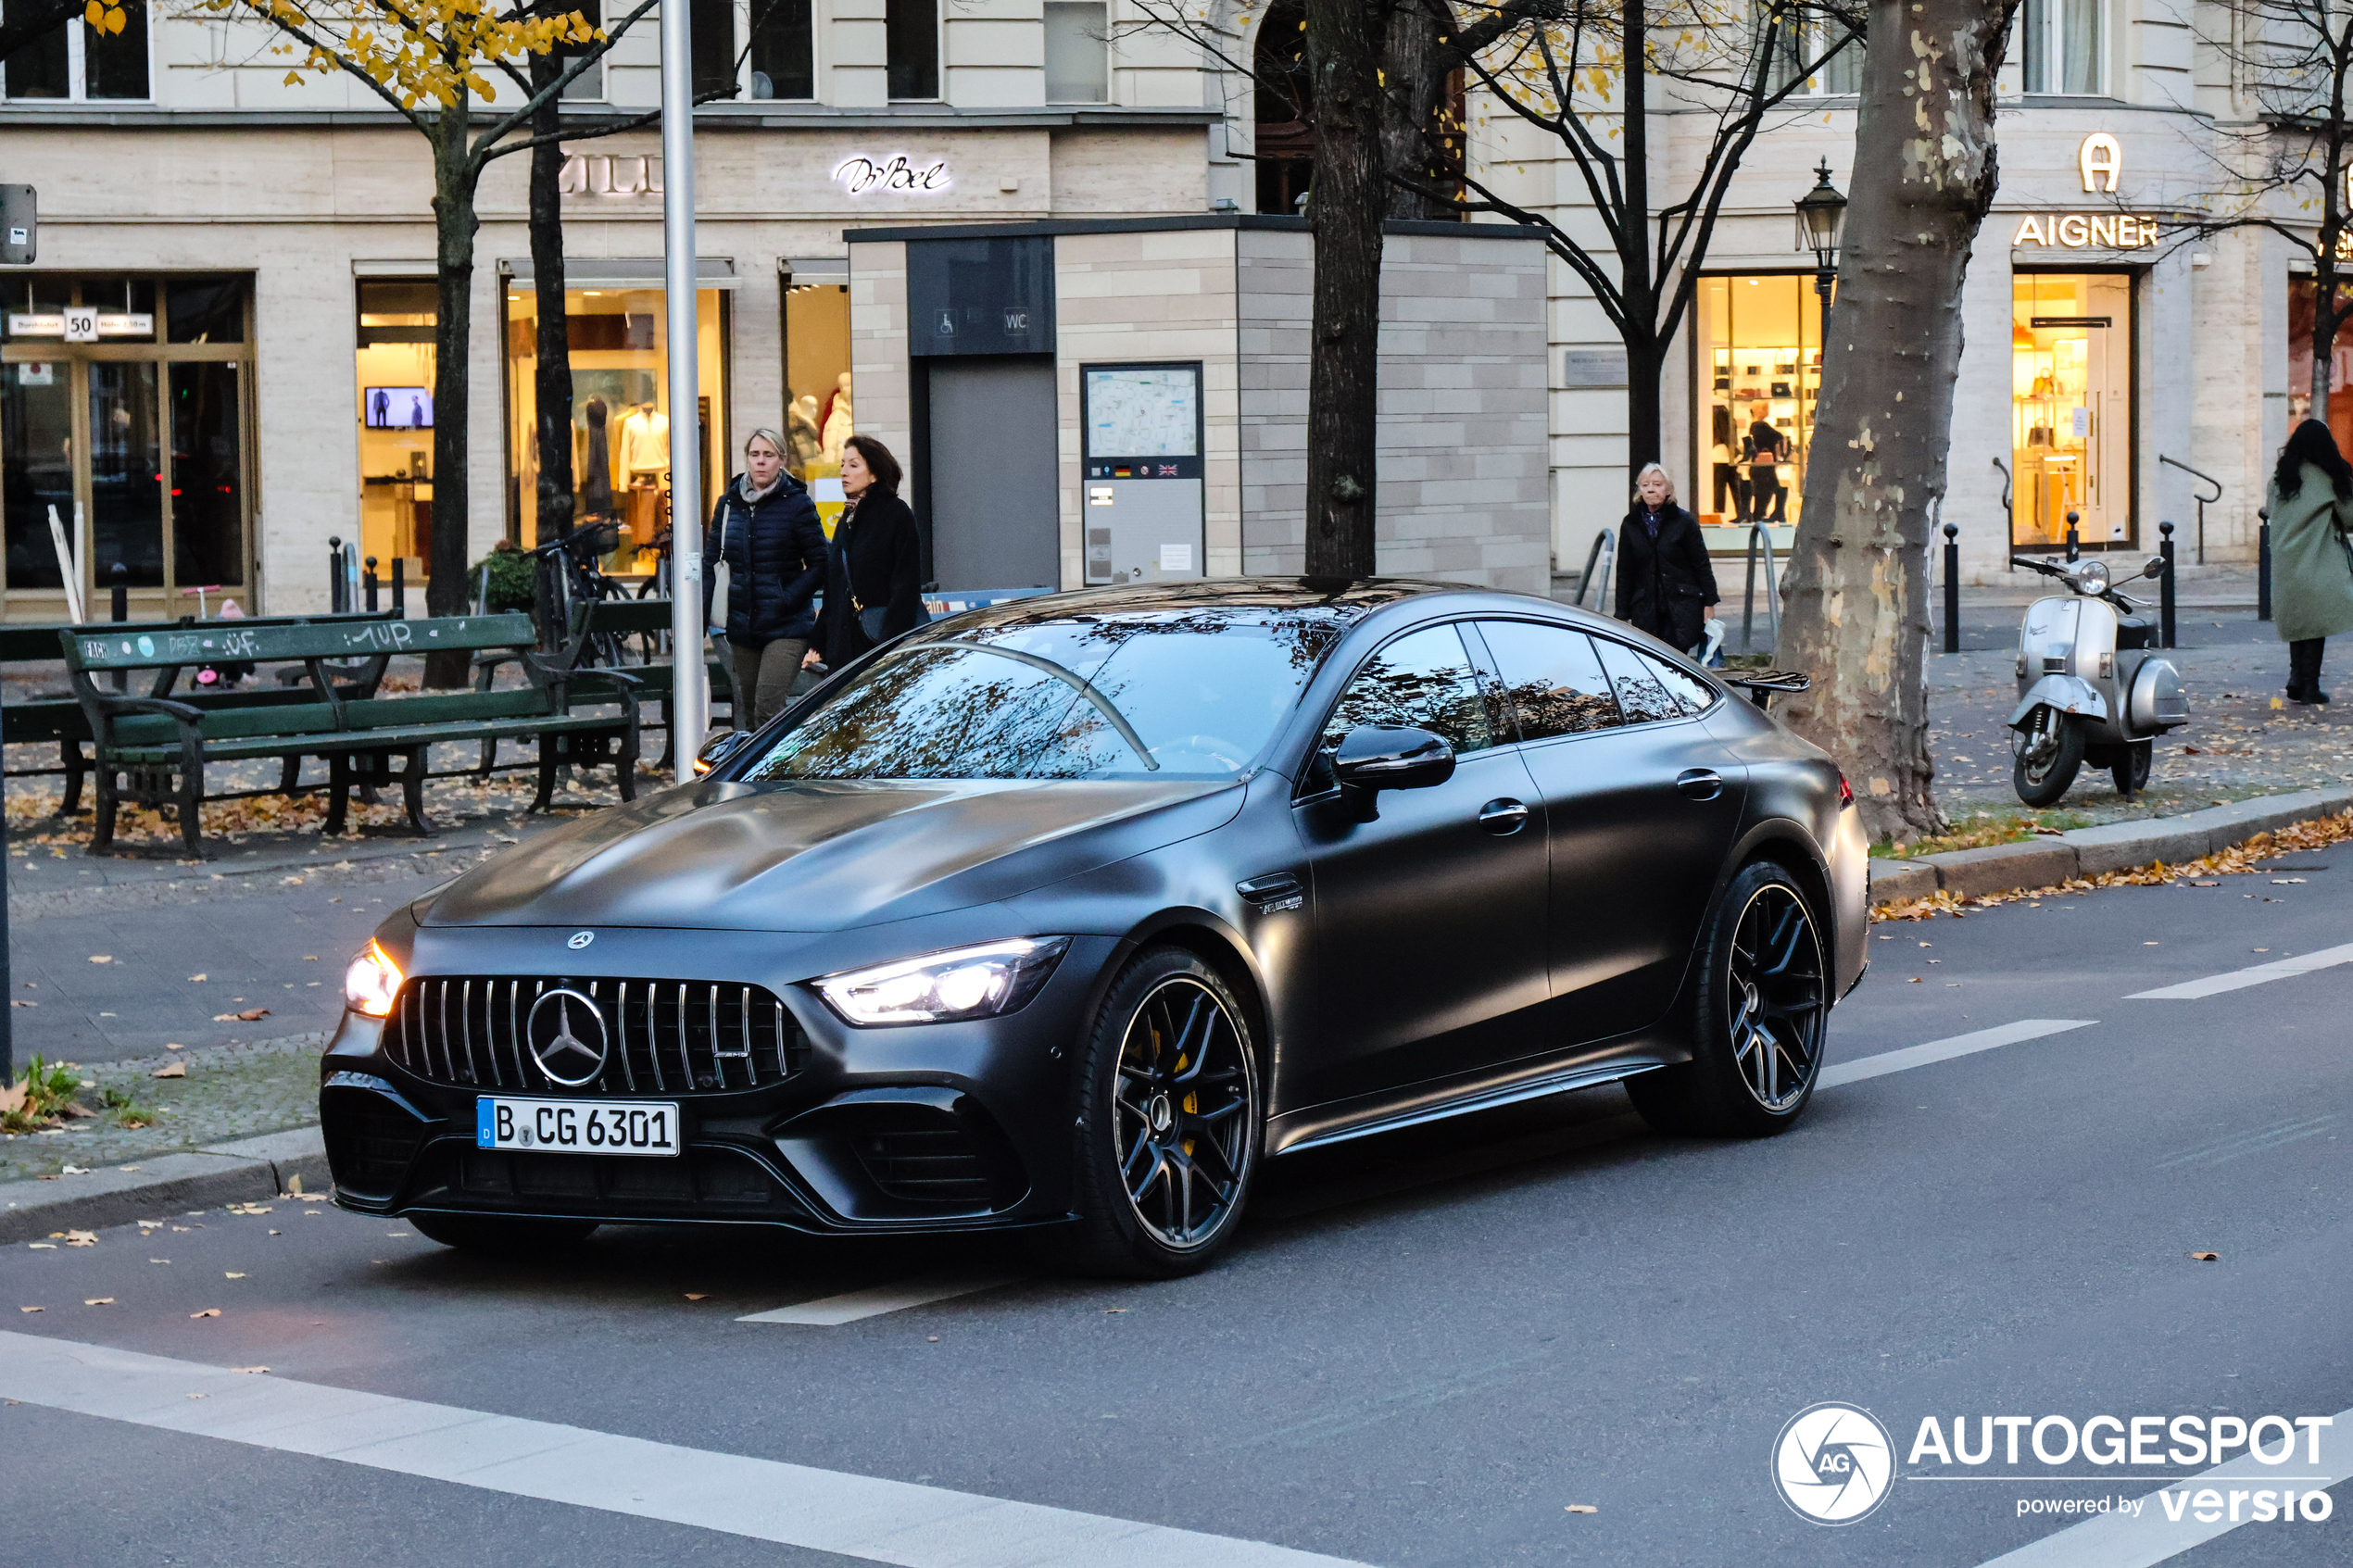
x=983 y=982
x=371 y=982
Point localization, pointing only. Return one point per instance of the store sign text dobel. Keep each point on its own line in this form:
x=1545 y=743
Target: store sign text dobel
x=2099 y=159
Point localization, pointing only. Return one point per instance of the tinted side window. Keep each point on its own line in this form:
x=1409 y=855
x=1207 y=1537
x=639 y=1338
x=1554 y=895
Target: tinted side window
x=1555 y=681
x=1689 y=690
x=1644 y=696
x=1423 y=680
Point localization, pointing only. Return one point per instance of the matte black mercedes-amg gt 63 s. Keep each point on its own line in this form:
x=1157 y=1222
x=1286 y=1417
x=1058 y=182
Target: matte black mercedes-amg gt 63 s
x=1064 y=915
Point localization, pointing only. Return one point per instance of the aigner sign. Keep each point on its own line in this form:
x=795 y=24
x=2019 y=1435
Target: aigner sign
x=2099 y=159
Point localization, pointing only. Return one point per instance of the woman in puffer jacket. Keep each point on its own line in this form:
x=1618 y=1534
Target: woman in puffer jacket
x=765 y=528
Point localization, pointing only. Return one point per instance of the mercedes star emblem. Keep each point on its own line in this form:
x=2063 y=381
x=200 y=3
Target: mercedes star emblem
x=580 y=939
x=566 y=1033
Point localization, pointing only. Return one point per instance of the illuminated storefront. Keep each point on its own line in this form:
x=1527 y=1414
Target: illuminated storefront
x=2072 y=406
x=1759 y=341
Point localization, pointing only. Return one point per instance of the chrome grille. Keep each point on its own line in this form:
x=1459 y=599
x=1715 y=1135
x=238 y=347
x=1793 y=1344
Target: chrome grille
x=663 y=1037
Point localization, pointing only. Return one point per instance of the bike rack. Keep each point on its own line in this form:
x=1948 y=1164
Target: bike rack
x=1759 y=539
x=2201 y=500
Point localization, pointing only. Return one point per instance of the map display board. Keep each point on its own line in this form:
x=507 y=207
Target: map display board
x=1143 y=412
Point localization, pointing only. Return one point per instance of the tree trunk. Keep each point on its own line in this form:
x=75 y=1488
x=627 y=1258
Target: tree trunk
x=1413 y=72
x=551 y=382
x=1857 y=613
x=1345 y=203
x=1637 y=287
x=447 y=591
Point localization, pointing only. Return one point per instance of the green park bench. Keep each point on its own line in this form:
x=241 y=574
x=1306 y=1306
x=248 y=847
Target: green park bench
x=153 y=750
x=45 y=719
x=627 y=628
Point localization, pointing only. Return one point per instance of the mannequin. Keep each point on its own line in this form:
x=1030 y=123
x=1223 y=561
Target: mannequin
x=596 y=474
x=838 y=428
x=801 y=434
x=645 y=446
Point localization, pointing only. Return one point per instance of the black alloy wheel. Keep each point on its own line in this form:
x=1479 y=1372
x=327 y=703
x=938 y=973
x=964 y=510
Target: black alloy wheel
x=2129 y=766
x=501 y=1232
x=1169 y=1120
x=1763 y=1011
x=2048 y=754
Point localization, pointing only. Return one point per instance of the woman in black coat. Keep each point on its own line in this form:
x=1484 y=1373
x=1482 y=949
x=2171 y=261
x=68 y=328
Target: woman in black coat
x=875 y=567
x=1665 y=585
x=765 y=528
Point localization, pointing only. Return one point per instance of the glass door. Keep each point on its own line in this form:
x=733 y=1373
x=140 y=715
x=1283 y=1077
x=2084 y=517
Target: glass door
x=2071 y=409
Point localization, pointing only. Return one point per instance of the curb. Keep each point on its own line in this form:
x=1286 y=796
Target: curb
x=247 y=1171
x=2087 y=852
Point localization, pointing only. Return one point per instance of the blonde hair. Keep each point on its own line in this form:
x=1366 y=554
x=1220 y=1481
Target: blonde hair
x=1648 y=470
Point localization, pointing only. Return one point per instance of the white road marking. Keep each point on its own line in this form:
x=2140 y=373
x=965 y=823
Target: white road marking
x=2150 y=1536
x=860 y=1516
x=2239 y=979
x=1945 y=1050
x=832 y=1312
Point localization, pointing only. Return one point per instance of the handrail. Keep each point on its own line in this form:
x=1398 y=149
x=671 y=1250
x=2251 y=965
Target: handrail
x=1759 y=535
x=2006 y=496
x=2201 y=500
x=1592 y=557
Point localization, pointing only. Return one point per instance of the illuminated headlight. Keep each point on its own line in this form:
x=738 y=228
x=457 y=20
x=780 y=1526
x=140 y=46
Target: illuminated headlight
x=983 y=982
x=371 y=982
x=2091 y=576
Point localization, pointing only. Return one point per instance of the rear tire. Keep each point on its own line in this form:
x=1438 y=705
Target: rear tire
x=2043 y=778
x=501 y=1232
x=1170 y=1121
x=1762 y=1013
x=2130 y=767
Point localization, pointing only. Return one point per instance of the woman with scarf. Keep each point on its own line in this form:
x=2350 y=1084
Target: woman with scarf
x=874 y=571
x=765 y=528
x=1665 y=585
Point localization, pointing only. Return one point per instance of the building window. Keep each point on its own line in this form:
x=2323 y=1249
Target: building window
x=783 y=56
x=713 y=26
x=589 y=85
x=78 y=61
x=1285 y=148
x=1760 y=373
x=2063 y=44
x=2071 y=408
x=1078 y=51
x=911 y=27
x=1798 y=43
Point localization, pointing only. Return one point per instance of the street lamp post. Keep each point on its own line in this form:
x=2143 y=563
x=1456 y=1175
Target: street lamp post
x=1821 y=216
x=690 y=699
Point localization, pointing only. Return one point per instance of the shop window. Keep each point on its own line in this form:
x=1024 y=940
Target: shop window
x=713 y=22
x=1282 y=90
x=912 y=34
x=2338 y=416
x=1760 y=375
x=77 y=60
x=783 y=56
x=624 y=428
x=2071 y=408
x=206 y=310
x=589 y=85
x=1078 y=51
x=208 y=473
x=396 y=371
x=818 y=417
x=2062 y=45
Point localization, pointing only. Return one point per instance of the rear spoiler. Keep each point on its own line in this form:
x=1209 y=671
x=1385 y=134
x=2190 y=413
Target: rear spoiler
x=1763 y=686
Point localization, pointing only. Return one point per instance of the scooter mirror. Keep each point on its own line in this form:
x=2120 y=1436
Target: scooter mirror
x=2156 y=566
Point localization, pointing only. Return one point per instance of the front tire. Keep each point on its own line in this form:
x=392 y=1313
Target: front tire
x=1763 y=1011
x=1170 y=1121
x=2048 y=758
x=501 y=1232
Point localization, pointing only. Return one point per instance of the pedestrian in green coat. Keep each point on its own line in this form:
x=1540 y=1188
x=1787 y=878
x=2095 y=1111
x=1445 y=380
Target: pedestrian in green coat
x=2310 y=505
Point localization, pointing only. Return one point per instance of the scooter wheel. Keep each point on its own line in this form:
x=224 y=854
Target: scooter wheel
x=2042 y=777
x=2131 y=767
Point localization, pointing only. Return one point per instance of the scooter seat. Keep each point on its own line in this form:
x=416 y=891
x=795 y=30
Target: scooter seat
x=2135 y=632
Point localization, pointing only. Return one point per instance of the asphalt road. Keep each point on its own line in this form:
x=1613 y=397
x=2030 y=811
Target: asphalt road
x=1425 y=1350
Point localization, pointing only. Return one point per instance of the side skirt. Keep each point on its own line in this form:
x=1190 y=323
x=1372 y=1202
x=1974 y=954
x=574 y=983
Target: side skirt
x=1562 y=1081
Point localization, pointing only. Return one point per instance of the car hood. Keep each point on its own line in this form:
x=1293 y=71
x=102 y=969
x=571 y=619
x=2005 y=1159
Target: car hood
x=822 y=855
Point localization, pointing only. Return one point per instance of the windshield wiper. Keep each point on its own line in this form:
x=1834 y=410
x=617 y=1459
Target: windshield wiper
x=1070 y=678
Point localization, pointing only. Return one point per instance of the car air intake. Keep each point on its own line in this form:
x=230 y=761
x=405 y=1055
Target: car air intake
x=930 y=1164
x=663 y=1037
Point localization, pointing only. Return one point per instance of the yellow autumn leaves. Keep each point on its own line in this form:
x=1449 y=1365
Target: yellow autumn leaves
x=420 y=51
x=103 y=18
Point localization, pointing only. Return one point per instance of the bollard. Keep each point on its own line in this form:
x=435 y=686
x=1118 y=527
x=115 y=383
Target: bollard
x=400 y=586
x=2165 y=587
x=336 y=603
x=1952 y=587
x=120 y=577
x=2074 y=544
x=371 y=581
x=2263 y=565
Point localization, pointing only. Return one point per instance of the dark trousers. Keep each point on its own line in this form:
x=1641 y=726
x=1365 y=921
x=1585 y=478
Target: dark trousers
x=2304 y=668
x=1729 y=480
x=1764 y=483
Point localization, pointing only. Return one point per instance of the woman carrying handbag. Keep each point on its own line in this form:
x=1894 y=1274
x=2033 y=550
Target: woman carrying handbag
x=873 y=568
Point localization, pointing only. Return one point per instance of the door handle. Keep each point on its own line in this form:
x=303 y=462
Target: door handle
x=1700 y=783
x=1502 y=818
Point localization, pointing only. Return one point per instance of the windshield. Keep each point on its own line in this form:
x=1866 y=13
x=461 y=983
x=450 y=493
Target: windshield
x=1164 y=695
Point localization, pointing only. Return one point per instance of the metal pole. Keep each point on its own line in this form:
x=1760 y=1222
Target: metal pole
x=1952 y=587
x=690 y=686
x=2074 y=546
x=334 y=575
x=371 y=581
x=400 y=586
x=120 y=578
x=2165 y=587
x=8 y=983
x=2263 y=565
x=1748 y=599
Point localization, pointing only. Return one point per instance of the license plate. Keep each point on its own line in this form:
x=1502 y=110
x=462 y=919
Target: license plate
x=573 y=1126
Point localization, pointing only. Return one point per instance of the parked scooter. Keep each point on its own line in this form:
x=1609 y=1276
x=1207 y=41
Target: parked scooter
x=2090 y=688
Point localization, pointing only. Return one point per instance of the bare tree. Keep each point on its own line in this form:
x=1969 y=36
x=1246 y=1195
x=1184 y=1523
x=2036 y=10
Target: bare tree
x=1858 y=617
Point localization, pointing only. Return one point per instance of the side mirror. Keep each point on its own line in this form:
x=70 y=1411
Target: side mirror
x=1370 y=760
x=2156 y=566
x=719 y=749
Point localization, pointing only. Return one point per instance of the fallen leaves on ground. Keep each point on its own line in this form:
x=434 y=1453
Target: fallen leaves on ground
x=32 y=1308
x=98 y=1301
x=248 y=1370
x=171 y=1070
x=231 y=1274
x=2207 y=1257
x=692 y=1296
x=247 y=1209
x=207 y=1312
x=251 y=1015
x=82 y=1238
x=102 y=957
x=1582 y=1507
